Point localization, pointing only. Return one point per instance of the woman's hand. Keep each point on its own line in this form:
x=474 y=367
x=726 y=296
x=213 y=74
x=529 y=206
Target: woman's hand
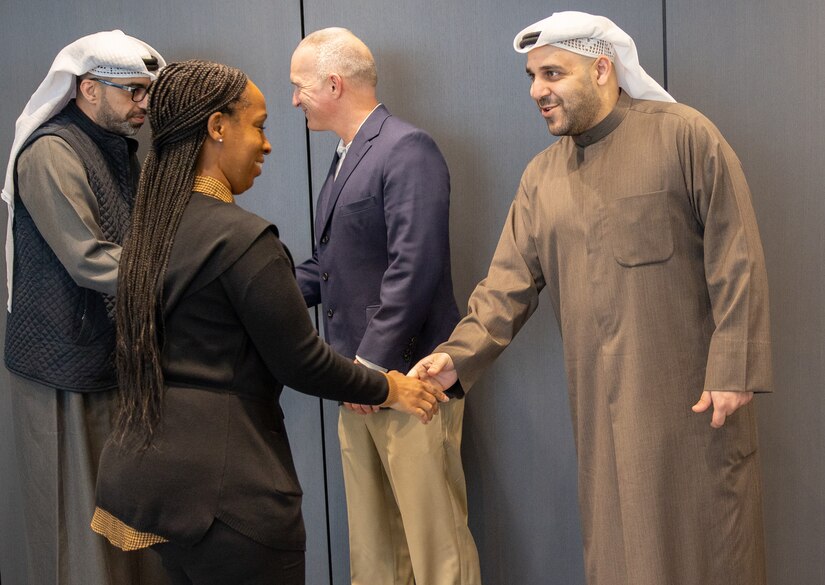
x=416 y=397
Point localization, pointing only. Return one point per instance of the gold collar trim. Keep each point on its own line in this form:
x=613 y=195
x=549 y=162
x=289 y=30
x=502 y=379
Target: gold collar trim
x=213 y=188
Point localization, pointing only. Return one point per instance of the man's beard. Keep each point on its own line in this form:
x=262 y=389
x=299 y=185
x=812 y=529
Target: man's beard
x=579 y=113
x=109 y=120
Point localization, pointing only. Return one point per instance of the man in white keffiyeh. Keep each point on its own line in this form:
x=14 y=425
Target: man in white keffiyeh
x=70 y=181
x=109 y=56
x=639 y=222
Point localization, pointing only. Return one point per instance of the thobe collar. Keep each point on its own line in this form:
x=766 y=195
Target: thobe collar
x=606 y=126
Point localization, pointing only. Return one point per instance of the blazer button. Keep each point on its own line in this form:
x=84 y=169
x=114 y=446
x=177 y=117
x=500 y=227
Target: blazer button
x=325 y=276
x=330 y=313
x=325 y=239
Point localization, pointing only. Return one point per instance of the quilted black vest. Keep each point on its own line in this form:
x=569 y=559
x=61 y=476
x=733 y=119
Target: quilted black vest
x=58 y=333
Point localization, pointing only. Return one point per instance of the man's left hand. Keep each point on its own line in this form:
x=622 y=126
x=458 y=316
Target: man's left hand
x=724 y=404
x=361 y=408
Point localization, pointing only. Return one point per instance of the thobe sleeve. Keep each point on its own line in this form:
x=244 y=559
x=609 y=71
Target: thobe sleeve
x=53 y=186
x=501 y=303
x=739 y=358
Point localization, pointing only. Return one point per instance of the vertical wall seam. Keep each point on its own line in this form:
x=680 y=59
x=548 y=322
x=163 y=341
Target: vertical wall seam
x=664 y=42
x=316 y=316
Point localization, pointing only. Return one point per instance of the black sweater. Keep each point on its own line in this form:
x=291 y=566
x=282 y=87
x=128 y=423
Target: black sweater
x=236 y=330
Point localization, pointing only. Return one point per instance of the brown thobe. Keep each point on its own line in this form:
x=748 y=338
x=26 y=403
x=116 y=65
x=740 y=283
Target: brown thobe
x=643 y=232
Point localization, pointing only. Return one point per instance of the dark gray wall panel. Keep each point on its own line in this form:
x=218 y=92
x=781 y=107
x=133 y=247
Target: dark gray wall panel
x=450 y=68
x=758 y=75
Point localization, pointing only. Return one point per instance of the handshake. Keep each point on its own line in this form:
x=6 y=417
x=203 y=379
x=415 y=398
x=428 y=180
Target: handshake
x=419 y=392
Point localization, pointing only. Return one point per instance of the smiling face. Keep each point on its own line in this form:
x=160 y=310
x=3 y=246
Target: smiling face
x=244 y=144
x=565 y=87
x=310 y=90
x=113 y=108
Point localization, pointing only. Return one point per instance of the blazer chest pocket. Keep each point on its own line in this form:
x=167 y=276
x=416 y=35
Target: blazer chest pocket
x=639 y=229
x=358 y=206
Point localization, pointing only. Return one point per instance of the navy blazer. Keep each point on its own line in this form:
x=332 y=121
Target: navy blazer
x=381 y=263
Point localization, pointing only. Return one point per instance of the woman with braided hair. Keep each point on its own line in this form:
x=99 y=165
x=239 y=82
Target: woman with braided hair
x=211 y=326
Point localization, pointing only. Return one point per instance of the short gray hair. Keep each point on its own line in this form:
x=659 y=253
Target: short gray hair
x=341 y=52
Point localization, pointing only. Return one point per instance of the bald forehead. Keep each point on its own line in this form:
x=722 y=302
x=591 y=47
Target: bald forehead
x=304 y=50
x=304 y=64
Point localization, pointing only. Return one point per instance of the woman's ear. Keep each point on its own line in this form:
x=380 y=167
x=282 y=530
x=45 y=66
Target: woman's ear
x=216 y=125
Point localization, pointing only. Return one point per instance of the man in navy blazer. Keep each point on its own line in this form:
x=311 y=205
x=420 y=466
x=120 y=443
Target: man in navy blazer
x=381 y=269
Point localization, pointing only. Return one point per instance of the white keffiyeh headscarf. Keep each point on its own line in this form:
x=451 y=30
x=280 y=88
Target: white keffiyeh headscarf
x=107 y=54
x=593 y=36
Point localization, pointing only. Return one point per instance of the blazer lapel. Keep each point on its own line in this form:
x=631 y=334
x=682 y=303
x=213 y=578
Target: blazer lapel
x=360 y=145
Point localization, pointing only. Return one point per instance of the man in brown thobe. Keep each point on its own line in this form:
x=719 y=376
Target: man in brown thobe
x=639 y=223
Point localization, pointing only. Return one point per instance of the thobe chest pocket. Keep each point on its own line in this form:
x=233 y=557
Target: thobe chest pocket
x=639 y=230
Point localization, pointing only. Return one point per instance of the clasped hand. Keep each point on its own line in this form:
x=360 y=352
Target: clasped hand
x=419 y=398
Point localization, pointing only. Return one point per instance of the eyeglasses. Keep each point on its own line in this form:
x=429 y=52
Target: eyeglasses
x=138 y=91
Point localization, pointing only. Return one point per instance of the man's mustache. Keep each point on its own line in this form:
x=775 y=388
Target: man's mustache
x=546 y=101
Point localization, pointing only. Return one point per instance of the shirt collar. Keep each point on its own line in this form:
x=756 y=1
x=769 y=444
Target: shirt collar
x=213 y=188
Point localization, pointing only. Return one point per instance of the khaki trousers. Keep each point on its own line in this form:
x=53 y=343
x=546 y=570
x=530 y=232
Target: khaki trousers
x=407 y=499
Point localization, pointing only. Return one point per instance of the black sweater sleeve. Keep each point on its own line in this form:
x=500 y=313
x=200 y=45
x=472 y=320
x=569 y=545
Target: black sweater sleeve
x=263 y=291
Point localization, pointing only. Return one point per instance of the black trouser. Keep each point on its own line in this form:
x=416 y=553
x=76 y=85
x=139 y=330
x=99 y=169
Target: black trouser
x=226 y=556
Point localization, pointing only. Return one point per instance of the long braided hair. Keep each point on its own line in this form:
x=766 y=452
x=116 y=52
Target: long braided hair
x=180 y=103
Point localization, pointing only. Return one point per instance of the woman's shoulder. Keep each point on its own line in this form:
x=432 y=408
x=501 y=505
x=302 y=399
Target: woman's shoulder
x=218 y=213
x=210 y=224
x=211 y=237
